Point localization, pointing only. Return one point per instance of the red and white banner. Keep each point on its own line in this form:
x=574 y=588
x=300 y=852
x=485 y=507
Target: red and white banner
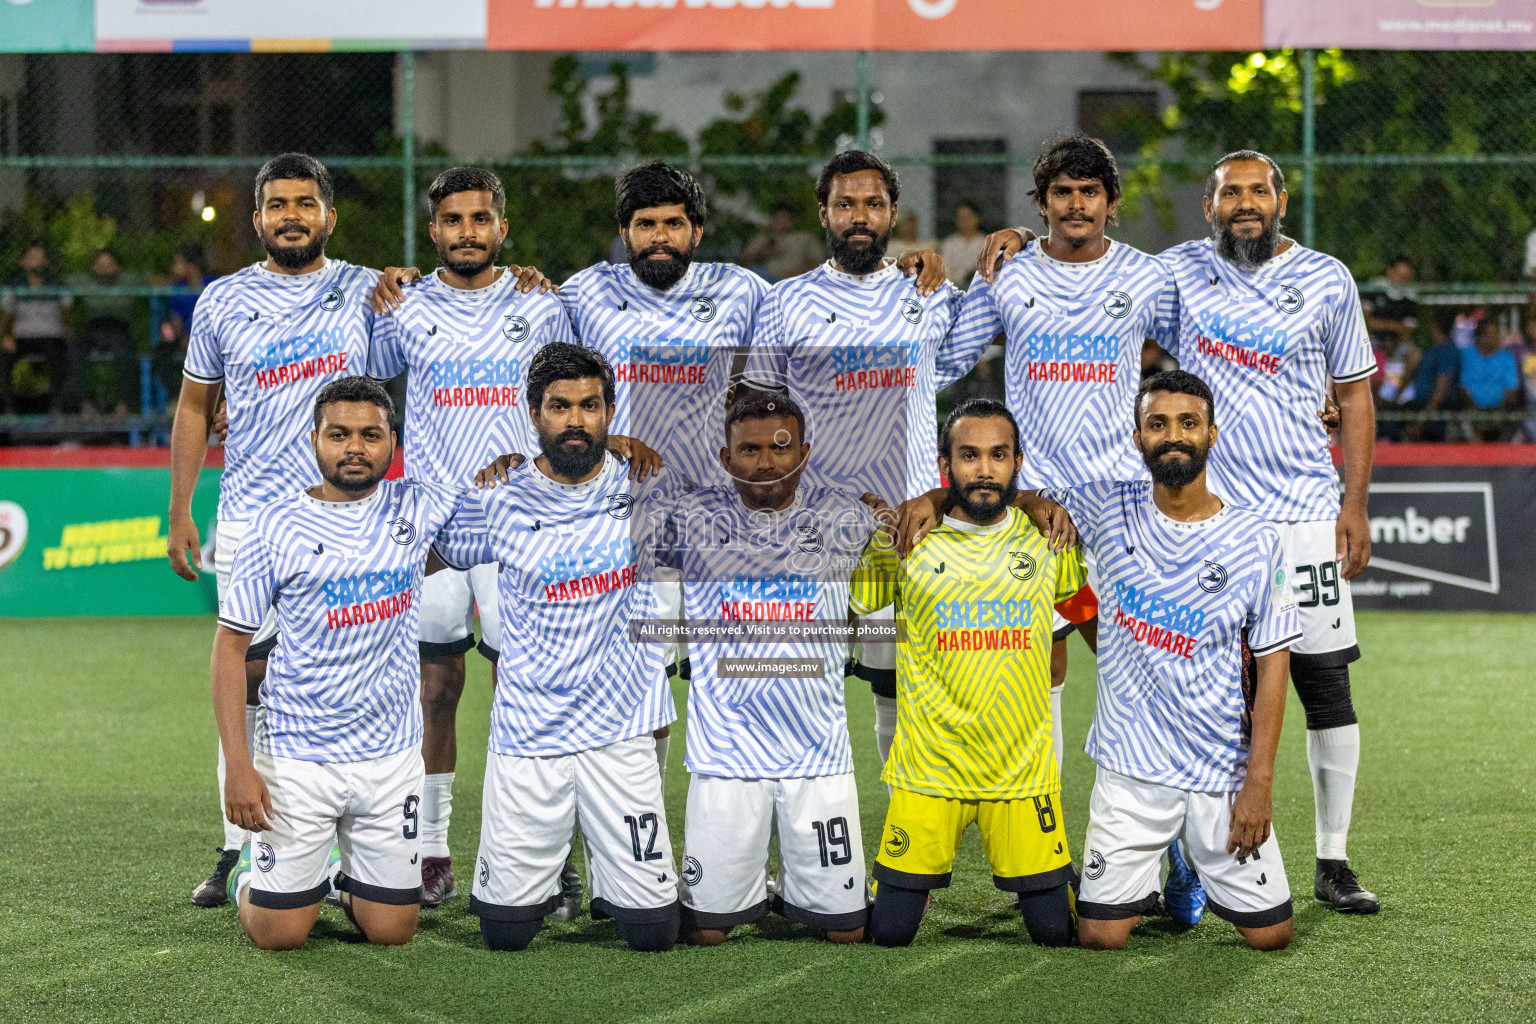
x=873 y=25
x=1402 y=24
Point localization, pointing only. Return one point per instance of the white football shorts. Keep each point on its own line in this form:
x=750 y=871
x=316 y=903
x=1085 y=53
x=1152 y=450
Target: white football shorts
x=449 y=598
x=226 y=538
x=371 y=809
x=821 y=851
x=1131 y=823
x=1322 y=593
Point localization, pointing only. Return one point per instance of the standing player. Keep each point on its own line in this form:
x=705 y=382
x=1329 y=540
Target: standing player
x=338 y=741
x=577 y=702
x=1270 y=324
x=974 y=743
x=767 y=725
x=467 y=335
x=1185 y=741
x=859 y=346
x=270 y=336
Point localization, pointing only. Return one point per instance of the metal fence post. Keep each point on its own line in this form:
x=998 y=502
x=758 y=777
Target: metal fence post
x=1308 y=147
x=863 y=98
x=408 y=153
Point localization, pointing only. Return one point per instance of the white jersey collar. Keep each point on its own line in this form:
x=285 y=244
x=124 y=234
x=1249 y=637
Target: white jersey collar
x=978 y=528
x=585 y=487
x=484 y=294
x=360 y=503
x=1198 y=524
x=871 y=280
x=1050 y=260
x=313 y=275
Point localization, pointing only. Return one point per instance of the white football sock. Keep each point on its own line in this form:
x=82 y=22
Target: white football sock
x=436 y=809
x=1334 y=757
x=662 y=743
x=234 y=835
x=1058 y=735
x=885 y=725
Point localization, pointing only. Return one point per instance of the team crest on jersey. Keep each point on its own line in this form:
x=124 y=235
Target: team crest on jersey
x=811 y=541
x=911 y=311
x=897 y=843
x=1093 y=867
x=1021 y=565
x=514 y=328
x=693 y=871
x=485 y=872
x=1291 y=300
x=266 y=857
x=402 y=531
x=620 y=505
x=1118 y=305
x=332 y=299
x=1213 y=578
x=703 y=309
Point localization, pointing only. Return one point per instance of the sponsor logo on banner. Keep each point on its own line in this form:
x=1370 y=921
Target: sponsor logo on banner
x=13 y=531
x=1435 y=532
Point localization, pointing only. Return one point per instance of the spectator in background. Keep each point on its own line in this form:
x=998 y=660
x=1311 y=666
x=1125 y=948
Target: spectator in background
x=1490 y=379
x=105 y=337
x=35 y=327
x=1525 y=359
x=1392 y=316
x=783 y=250
x=171 y=322
x=906 y=236
x=1530 y=254
x=1437 y=383
x=962 y=249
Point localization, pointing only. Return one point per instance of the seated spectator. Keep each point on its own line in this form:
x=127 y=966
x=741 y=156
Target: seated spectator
x=1436 y=385
x=1392 y=317
x=35 y=328
x=783 y=250
x=171 y=322
x=1490 y=379
x=962 y=249
x=105 y=338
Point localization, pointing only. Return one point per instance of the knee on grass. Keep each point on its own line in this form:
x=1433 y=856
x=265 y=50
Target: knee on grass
x=708 y=936
x=509 y=936
x=1106 y=935
x=1270 y=939
x=653 y=936
x=896 y=915
x=1047 y=916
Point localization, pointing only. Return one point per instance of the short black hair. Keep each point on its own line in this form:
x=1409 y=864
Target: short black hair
x=1077 y=156
x=466 y=179
x=658 y=184
x=1401 y=257
x=195 y=254
x=107 y=250
x=1276 y=175
x=354 y=389
x=1176 y=382
x=295 y=167
x=852 y=162
x=981 y=409
x=560 y=360
x=757 y=404
x=968 y=204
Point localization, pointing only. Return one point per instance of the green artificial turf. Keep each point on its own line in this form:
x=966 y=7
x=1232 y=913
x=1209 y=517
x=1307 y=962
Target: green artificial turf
x=109 y=816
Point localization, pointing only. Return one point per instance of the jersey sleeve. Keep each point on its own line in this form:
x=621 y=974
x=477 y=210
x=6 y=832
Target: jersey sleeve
x=557 y=325
x=204 y=362
x=875 y=579
x=252 y=584
x=465 y=539
x=1274 y=622
x=1074 y=600
x=977 y=323
x=767 y=359
x=1165 y=316
x=570 y=298
x=1347 y=343
x=386 y=353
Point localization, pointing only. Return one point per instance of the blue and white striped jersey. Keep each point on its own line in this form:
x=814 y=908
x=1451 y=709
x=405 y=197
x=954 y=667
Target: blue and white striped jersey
x=864 y=357
x=1267 y=342
x=743 y=569
x=344 y=682
x=1072 y=357
x=576 y=565
x=274 y=340
x=1175 y=602
x=671 y=353
x=468 y=352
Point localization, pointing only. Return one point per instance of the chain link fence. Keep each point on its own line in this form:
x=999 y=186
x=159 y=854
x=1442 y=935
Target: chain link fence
x=1428 y=156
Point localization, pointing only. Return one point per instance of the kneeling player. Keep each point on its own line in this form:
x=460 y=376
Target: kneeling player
x=1185 y=747
x=767 y=726
x=973 y=739
x=576 y=700
x=338 y=744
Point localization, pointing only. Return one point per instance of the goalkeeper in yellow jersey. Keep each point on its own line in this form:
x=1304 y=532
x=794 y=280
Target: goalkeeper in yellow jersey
x=973 y=679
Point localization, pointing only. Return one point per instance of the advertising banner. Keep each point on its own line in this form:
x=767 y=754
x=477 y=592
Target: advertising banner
x=1402 y=24
x=872 y=24
x=92 y=542
x=47 y=26
x=288 y=25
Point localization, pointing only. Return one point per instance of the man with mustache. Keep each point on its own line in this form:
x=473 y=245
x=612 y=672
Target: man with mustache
x=269 y=337
x=577 y=701
x=1191 y=586
x=973 y=675
x=764 y=560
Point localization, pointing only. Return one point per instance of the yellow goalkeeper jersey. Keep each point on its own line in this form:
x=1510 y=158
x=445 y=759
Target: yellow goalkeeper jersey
x=973 y=676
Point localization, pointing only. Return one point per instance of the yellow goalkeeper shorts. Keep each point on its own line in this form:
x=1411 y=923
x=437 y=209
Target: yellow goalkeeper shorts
x=1025 y=841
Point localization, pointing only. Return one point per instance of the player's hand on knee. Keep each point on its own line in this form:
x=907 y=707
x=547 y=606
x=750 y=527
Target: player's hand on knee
x=643 y=460
x=915 y=517
x=999 y=248
x=496 y=472
x=184 y=547
x=1250 y=819
x=246 y=800
x=1052 y=521
x=927 y=265
x=389 y=293
x=529 y=278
